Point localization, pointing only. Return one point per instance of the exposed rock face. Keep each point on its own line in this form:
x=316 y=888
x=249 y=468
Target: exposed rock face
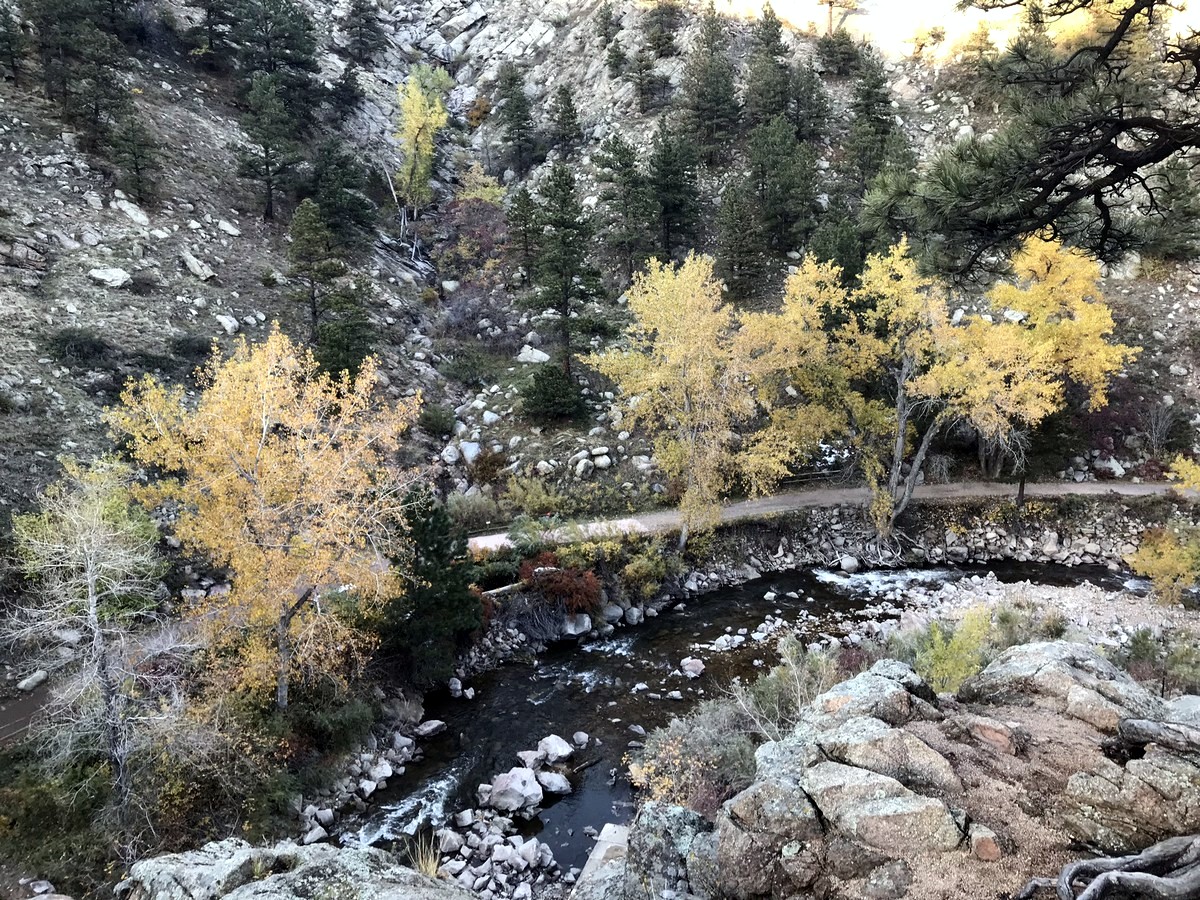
x=1072 y=678
x=233 y=869
x=660 y=844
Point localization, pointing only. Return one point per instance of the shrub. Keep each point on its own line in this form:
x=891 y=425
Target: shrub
x=436 y=420
x=79 y=346
x=488 y=466
x=643 y=574
x=571 y=590
x=1170 y=663
x=1170 y=560
x=552 y=396
x=838 y=52
x=1020 y=623
x=473 y=511
x=269 y=278
x=773 y=702
x=533 y=497
x=949 y=656
x=499 y=568
x=191 y=349
x=699 y=761
x=479 y=111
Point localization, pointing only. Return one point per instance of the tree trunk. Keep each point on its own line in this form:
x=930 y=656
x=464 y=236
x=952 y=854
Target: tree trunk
x=284 y=646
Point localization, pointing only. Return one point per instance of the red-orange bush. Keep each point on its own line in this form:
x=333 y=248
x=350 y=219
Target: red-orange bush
x=576 y=590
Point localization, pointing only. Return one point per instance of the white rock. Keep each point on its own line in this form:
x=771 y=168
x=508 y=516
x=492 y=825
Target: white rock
x=196 y=267
x=229 y=323
x=133 y=211
x=113 y=278
x=532 y=355
x=554 y=749
x=553 y=783
x=430 y=728
x=229 y=228
x=470 y=451
x=692 y=668
x=32 y=681
x=450 y=455
x=316 y=833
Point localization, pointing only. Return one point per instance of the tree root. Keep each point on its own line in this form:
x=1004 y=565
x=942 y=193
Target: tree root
x=1169 y=870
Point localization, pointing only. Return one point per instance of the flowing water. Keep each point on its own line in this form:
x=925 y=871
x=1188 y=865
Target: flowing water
x=590 y=688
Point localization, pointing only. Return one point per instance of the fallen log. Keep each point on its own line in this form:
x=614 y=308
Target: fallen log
x=1172 y=735
x=1169 y=870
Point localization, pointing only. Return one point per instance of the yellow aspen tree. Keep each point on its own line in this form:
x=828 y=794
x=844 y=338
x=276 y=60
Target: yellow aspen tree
x=422 y=116
x=1170 y=556
x=686 y=378
x=285 y=476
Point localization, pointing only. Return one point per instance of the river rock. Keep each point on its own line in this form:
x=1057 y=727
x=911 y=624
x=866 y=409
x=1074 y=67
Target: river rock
x=576 y=625
x=691 y=667
x=554 y=783
x=515 y=790
x=554 y=749
x=848 y=564
x=612 y=613
x=634 y=616
x=580 y=739
x=234 y=870
x=430 y=728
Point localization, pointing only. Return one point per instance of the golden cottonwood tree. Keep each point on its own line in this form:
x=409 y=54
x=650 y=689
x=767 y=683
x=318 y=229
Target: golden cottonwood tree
x=686 y=377
x=422 y=116
x=1170 y=557
x=887 y=363
x=286 y=476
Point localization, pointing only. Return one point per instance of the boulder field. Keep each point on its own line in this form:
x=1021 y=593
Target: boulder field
x=886 y=789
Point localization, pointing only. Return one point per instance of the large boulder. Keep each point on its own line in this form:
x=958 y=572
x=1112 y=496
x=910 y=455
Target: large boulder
x=233 y=870
x=1122 y=810
x=889 y=691
x=515 y=790
x=1071 y=678
x=661 y=841
x=871 y=744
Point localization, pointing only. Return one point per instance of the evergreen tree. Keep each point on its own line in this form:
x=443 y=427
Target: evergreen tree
x=562 y=252
x=740 y=240
x=516 y=118
x=838 y=53
x=809 y=107
x=647 y=82
x=709 y=98
x=344 y=338
x=768 y=88
x=565 y=132
x=783 y=175
x=659 y=25
x=95 y=96
x=873 y=120
x=277 y=37
x=346 y=95
x=607 y=23
x=627 y=205
x=271 y=154
x=768 y=33
x=430 y=622
x=316 y=265
x=615 y=58
x=837 y=239
x=217 y=22
x=524 y=225
x=136 y=152
x=337 y=185
x=364 y=31
x=672 y=178
x=12 y=42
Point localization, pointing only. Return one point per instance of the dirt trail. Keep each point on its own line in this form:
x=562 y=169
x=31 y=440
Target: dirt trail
x=762 y=507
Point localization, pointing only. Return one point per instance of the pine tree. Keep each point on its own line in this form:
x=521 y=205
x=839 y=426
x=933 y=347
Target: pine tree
x=607 y=23
x=217 y=22
x=271 y=154
x=709 y=98
x=626 y=204
x=740 y=240
x=809 y=107
x=524 y=225
x=659 y=25
x=516 y=118
x=768 y=76
x=783 y=176
x=672 y=177
x=346 y=95
x=837 y=239
x=428 y=624
x=344 y=339
x=95 y=97
x=562 y=252
x=647 y=82
x=136 y=152
x=337 y=184
x=364 y=31
x=12 y=42
x=277 y=37
x=614 y=59
x=873 y=121
x=565 y=132
x=316 y=265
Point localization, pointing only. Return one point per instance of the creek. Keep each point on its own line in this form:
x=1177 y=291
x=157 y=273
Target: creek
x=590 y=687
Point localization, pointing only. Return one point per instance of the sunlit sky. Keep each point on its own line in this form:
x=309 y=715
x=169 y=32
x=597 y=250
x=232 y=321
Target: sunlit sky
x=892 y=24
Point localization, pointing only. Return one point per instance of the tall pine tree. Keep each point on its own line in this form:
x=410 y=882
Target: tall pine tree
x=516 y=118
x=271 y=154
x=659 y=25
x=565 y=131
x=337 y=185
x=562 y=253
x=740 y=240
x=873 y=120
x=12 y=42
x=783 y=175
x=364 y=32
x=809 y=105
x=709 y=98
x=768 y=76
x=277 y=37
x=524 y=220
x=133 y=147
x=672 y=178
x=626 y=205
